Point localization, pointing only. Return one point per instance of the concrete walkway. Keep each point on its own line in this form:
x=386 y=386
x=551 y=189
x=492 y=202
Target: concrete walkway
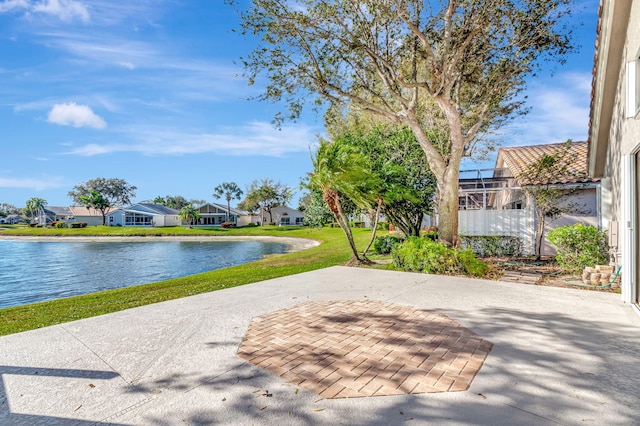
x=558 y=356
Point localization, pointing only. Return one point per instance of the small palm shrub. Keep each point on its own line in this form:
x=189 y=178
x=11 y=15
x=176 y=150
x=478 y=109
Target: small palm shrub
x=384 y=244
x=425 y=255
x=579 y=245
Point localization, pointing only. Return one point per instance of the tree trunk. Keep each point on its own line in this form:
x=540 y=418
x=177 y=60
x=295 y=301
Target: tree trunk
x=540 y=222
x=332 y=198
x=448 y=208
x=405 y=223
x=374 y=228
x=228 y=207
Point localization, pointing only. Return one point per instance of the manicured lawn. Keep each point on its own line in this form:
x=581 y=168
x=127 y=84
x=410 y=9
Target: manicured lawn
x=334 y=250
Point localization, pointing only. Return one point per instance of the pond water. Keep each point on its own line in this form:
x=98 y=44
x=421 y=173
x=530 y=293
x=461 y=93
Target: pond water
x=39 y=271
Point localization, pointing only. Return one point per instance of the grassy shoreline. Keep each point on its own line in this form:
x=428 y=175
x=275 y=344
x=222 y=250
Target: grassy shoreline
x=333 y=250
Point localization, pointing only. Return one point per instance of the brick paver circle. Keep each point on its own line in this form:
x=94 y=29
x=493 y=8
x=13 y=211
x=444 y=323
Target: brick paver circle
x=346 y=349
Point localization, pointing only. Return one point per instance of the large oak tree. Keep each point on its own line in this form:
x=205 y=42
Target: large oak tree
x=105 y=192
x=467 y=60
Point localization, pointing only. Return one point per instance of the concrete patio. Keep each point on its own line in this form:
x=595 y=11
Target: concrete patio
x=540 y=355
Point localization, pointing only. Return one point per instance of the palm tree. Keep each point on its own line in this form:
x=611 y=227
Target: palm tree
x=34 y=205
x=340 y=171
x=189 y=214
x=230 y=190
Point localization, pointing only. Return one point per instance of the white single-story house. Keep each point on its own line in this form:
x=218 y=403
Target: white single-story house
x=216 y=214
x=614 y=135
x=11 y=219
x=144 y=214
x=283 y=215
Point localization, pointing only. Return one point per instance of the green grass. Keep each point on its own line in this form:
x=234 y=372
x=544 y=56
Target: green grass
x=334 y=250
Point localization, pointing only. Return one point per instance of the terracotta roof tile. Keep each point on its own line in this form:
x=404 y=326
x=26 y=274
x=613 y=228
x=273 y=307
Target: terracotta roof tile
x=518 y=159
x=88 y=211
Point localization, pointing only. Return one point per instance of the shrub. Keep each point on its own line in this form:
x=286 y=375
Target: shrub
x=227 y=225
x=384 y=244
x=60 y=225
x=432 y=235
x=424 y=255
x=249 y=225
x=383 y=226
x=492 y=245
x=78 y=224
x=579 y=245
x=356 y=224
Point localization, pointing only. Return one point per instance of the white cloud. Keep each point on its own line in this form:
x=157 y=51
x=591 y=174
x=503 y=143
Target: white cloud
x=30 y=183
x=65 y=10
x=8 y=5
x=252 y=139
x=559 y=111
x=71 y=114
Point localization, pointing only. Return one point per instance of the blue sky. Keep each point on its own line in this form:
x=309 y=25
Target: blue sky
x=148 y=91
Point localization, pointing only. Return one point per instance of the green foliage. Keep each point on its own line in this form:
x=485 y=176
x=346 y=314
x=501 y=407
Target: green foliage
x=424 y=255
x=189 y=214
x=580 y=245
x=6 y=209
x=101 y=194
x=174 y=201
x=492 y=245
x=78 y=225
x=461 y=64
x=33 y=206
x=316 y=212
x=385 y=243
x=115 y=191
x=406 y=183
x=265 y=194
x=543 y=179
x=251 y=224
x=230 y=191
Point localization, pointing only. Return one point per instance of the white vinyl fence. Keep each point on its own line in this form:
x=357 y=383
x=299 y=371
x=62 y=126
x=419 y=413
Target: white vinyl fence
x=517 y=223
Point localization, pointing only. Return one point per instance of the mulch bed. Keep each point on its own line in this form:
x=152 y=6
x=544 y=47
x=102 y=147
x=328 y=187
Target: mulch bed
x=545 y=272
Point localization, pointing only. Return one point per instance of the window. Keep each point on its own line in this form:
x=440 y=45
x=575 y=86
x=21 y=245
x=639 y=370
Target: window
x=633 y=87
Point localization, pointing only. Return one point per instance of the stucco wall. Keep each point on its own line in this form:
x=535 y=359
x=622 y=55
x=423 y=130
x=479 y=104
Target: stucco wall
x=624 y=134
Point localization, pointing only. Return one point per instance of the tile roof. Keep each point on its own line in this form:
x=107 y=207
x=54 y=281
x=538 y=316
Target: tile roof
x=518 y=159
x=88 y=211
